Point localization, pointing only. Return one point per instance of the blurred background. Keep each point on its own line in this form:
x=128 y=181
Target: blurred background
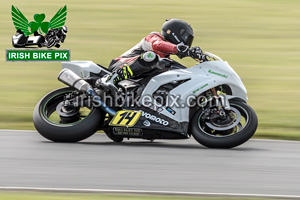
x=259 y=39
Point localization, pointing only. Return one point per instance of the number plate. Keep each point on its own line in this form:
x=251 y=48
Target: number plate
x=127 y=118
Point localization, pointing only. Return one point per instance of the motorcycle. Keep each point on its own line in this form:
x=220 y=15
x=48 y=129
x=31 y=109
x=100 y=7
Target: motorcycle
x=207 y=101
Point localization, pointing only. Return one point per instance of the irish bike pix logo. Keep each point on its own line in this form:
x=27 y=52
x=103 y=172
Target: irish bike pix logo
x=38 y=40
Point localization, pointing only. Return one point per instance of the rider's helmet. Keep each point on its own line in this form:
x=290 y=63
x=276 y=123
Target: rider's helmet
x=177 y=31
x=64 y=29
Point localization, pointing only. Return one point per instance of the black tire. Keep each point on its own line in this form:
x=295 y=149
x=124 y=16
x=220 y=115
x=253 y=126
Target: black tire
x=230 y=140
x=65 y=132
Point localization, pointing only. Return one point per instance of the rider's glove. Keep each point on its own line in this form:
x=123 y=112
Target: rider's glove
x=195 y=53
x=184 y=50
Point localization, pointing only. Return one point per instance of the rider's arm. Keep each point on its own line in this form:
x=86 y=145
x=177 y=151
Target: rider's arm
x=154 y=42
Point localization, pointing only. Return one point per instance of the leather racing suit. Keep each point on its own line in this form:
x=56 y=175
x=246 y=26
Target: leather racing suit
x=131 y=63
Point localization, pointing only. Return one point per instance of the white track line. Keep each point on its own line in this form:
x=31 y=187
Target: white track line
x=25 y=131
x=151 y=192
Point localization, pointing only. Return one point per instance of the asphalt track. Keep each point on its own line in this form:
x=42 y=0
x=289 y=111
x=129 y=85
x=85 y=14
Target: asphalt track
x=259 y=167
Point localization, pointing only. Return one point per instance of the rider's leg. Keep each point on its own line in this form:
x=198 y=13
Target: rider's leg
x=110 y=81
x=145 y=63
x=122 y=73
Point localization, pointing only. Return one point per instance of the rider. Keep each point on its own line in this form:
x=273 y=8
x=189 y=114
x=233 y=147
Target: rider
x=176 y=38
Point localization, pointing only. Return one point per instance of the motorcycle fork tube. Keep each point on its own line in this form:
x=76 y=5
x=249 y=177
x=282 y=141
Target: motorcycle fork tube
x=215 y=97
x=214 y=92
x=220 y=101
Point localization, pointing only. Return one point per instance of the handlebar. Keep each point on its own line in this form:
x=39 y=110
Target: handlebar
x=206 y=56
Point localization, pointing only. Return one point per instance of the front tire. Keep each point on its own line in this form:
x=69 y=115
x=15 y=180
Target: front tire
x=230 y=138
x=64 y=130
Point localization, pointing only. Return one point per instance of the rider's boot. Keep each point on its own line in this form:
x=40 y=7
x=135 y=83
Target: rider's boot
x=110 y=81
x=123 y=73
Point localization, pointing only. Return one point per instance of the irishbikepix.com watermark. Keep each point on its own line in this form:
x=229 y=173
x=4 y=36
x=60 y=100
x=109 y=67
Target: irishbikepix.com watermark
x=171 y=101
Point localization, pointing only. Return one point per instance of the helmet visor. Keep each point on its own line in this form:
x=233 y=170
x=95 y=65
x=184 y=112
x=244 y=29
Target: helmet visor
x=187 y=38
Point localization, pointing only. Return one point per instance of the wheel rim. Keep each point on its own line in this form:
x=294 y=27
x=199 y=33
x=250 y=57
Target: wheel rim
x=54 y=112
x=239 y=122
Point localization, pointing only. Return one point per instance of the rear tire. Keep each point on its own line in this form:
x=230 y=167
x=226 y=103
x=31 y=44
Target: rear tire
x=68 y=132
x=227 y=140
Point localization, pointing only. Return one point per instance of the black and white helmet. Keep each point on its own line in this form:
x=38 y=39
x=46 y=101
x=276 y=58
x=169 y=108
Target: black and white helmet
x=64 y=29
x=177 y=31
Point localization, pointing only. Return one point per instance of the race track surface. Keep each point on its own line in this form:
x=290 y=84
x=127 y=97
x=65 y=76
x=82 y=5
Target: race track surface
x=257 y=167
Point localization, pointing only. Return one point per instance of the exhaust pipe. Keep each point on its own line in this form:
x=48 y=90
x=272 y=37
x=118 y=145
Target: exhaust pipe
x=71 y=79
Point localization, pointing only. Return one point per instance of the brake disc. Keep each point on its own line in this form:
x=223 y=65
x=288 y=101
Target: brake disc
x=235 y=122
x=63 y=112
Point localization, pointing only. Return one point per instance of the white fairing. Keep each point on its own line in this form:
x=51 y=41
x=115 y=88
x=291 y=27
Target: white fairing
x=198 y=79
x=202 y=77
x=83 y=68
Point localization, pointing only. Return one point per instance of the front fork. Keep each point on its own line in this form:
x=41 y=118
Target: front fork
x=221 y=100
x=221 y=103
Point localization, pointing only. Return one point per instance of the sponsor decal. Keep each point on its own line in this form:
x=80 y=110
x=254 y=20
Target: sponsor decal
x=155 y=119
x=122 y=131
x=200 y=88
x=37 y=32
x=175 y=36
x=218 y=74
x=170 y=110
x=153 y=106
x=147 y=123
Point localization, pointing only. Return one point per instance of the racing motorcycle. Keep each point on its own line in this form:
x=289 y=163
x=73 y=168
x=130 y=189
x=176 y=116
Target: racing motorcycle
x=207 y=101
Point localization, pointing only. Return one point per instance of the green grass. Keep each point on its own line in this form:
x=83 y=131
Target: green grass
x=259 y=38
x=78 y=196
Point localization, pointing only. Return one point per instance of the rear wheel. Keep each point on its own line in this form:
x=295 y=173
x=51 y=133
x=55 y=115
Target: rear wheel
x=237 y=127
x=60 y=123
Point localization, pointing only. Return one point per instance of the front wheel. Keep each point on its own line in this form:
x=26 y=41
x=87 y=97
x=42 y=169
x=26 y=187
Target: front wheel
x=59 y=122
x=237 y=127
